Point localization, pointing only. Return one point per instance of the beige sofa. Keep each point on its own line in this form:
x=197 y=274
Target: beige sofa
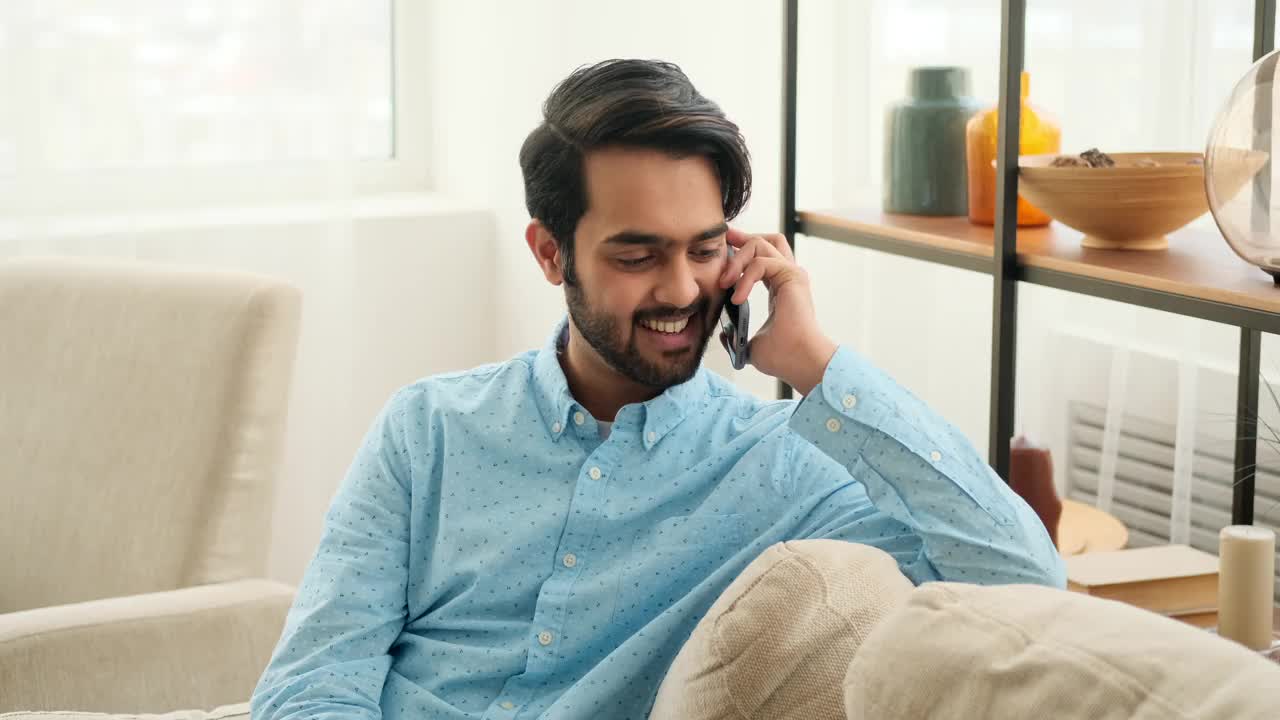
x=825 y=630
x=142 y=410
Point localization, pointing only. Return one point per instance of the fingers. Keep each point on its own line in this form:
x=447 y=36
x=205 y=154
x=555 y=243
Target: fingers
x=738 y=238
x=733 y=267
x=760 y=269
x=778 y=242
x=750 y=247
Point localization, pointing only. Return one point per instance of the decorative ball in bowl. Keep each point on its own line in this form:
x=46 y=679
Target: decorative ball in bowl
x=1122 y=201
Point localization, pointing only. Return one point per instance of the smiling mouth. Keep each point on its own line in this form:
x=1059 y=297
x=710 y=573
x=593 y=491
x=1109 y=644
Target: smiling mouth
x=671 y=327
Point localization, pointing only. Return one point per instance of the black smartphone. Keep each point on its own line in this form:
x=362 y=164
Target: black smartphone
x=734 y=321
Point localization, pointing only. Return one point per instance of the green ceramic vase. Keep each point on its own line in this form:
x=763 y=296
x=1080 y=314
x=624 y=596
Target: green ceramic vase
x=924 y=153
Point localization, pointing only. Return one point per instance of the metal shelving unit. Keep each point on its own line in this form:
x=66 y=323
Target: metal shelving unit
x=1197 y=279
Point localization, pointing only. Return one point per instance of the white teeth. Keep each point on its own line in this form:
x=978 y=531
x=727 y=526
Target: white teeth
x=666 y=327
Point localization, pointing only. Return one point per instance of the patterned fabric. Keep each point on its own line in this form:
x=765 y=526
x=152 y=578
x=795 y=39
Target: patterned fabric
x=490 y=556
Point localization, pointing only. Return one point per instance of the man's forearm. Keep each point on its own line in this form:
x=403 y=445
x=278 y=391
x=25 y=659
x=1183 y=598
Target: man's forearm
x=923 y=473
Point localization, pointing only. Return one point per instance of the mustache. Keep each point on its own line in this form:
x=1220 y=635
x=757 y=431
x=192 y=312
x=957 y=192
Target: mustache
x=673 y=314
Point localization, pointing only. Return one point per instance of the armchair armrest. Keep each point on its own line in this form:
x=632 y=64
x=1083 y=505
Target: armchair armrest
x=197 y=647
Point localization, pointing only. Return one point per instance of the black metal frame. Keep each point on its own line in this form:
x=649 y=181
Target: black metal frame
x=1250 y=362
x=1007 y=273
x=790 y=48
x=1004 y=306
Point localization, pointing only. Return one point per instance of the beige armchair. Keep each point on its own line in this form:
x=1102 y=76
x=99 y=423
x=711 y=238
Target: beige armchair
x=142 y=412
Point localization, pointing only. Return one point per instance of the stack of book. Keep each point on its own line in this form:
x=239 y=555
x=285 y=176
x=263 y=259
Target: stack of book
x=1174 y=580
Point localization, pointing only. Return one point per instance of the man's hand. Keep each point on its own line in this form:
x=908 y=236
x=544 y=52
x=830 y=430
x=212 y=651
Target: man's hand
x=789 y=346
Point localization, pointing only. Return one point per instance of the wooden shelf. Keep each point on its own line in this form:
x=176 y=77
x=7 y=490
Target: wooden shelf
x=1198 y=275
x=946 y=240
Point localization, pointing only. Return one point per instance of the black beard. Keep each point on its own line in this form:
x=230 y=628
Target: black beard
x=602 y=333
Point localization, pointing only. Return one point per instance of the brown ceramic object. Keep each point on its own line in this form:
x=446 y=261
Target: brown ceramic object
x=1031 y=477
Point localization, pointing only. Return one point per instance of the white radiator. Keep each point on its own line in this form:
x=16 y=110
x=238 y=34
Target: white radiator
x=1142 y=498
x=1074 y=398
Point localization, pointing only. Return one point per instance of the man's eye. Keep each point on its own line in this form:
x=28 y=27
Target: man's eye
x=707 y=254
x=634 y=262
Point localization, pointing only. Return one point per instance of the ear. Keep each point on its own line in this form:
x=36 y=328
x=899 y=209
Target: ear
x=546 y=251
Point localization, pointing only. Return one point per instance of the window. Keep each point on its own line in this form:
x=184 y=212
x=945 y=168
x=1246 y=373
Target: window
x=187 y=102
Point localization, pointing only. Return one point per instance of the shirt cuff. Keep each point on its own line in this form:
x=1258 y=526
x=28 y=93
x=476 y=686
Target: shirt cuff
x=839 y=414
x=857 y=408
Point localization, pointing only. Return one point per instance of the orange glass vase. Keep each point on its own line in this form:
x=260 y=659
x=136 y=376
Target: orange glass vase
x=1038 y=134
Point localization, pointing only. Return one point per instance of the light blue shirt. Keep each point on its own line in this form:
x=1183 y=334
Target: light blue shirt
x=490 y=556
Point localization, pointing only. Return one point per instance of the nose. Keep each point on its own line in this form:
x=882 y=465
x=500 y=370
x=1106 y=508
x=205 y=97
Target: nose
x=679 y=285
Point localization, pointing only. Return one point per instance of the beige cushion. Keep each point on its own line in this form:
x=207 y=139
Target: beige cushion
x=964 y=651
x=778 y=640
x=195 y=647
x=239 y=711
x=142 y=409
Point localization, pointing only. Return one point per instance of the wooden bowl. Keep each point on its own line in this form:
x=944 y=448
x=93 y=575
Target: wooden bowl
x=1125 y=207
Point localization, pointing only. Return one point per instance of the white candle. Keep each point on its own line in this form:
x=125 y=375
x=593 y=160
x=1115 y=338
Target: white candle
x=1246 y=578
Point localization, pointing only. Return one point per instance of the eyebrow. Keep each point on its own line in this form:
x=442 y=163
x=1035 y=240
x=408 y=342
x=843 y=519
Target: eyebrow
x=635 y=237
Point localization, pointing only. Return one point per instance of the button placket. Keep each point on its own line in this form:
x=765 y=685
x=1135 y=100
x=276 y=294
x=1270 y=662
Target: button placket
x=583 y=513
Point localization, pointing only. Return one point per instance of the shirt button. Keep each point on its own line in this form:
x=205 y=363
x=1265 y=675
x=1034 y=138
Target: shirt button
x=545 y=637
x=833 y=425
x=849 y=402
x=555 y=427
x=935 y=456
x=570 y=560
x=652 y=436
x=594 y=473
x=579 y=418
x=508 y=705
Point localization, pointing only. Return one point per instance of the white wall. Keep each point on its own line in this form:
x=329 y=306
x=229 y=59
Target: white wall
x=1145 y=75
x=496 y=62
x=392 y=292
x=929 y=326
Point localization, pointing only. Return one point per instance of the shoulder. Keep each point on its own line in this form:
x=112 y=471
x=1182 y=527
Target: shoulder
x=464 y=390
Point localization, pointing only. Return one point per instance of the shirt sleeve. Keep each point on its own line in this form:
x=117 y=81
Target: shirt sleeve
x=942 y=511
x=332 y=658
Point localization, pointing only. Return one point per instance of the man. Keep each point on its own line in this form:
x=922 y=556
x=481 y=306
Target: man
x=537 y=538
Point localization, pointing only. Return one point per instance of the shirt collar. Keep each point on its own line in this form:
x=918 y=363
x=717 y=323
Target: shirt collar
x=658 y=416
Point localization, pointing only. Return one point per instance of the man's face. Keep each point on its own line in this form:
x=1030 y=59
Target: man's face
x=648 y=253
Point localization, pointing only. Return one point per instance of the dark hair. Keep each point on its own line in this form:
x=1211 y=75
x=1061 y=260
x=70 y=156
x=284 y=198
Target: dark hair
x=628 y=103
